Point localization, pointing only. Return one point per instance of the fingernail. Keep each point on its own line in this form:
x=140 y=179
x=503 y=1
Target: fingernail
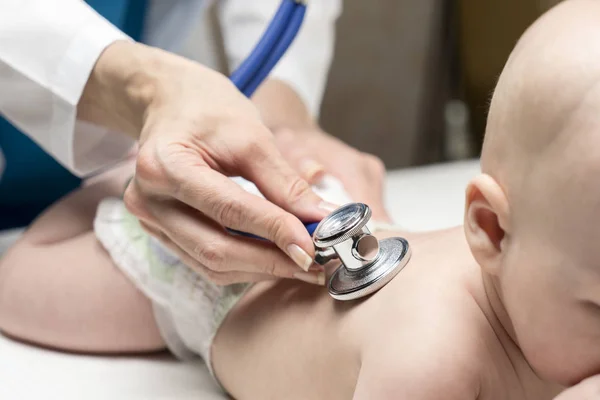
x=310 y=169
x=311 y=277
x=299 y=256
x=327 y=206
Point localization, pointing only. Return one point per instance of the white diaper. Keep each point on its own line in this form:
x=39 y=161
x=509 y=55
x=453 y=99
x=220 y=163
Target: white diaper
x=188 y=309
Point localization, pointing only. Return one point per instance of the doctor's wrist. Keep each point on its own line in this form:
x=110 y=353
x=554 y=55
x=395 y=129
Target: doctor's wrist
x=118 y=90
x=132 y=83
x=128 y=80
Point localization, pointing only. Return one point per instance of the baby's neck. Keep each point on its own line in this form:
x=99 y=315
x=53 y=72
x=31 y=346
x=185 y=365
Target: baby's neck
x=492 y=306
x=496 y=313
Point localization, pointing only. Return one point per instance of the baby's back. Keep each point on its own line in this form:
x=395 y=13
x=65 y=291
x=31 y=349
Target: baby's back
x=425 y=335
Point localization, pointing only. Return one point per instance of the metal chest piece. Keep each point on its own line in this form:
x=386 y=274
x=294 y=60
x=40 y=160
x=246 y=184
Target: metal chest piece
x=368 y=264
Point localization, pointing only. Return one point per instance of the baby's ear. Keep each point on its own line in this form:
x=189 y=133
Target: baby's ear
x=486 y=221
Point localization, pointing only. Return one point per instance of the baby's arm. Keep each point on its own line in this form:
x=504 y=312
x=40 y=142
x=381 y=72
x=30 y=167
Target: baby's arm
x=59 y=287
x=418 y=365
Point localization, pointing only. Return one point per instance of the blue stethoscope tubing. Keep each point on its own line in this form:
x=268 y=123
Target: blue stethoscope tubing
x=278 y=37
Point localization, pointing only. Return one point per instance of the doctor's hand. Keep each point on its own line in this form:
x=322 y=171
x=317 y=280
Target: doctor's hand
x=195 y=129
x=588 y=389
x=314 y=153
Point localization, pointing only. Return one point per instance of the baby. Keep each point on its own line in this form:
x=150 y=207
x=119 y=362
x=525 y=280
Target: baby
x=506 y=307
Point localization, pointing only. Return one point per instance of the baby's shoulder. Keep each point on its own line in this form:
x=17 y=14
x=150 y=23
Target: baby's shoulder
x=422 y=360
x=426 y=344
x=420 y=367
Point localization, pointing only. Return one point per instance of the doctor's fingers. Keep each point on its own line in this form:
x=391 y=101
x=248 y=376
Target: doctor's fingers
x=215 y=252
x=222 y=200
x=299 y=155
x=370 y=190
x=363 y=176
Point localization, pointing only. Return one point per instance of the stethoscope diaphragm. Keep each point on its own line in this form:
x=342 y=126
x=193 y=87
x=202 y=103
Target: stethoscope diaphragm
x=367 y=264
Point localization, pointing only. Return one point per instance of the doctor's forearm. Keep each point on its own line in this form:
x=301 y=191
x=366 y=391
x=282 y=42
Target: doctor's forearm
x=281 y=107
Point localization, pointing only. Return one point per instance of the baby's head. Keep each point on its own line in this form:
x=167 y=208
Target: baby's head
x=533 y=217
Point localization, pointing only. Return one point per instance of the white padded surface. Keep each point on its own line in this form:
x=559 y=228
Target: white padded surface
x=431 y=197
x=419 y=199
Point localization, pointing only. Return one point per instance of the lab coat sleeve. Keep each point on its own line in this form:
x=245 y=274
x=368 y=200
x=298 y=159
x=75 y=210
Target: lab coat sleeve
x=306 y=64
x=47 y=51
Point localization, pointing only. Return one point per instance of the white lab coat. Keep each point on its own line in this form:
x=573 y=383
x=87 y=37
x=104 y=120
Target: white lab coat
x=49 y=47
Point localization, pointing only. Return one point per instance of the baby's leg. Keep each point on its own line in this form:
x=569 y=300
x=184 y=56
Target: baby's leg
x=59 y=287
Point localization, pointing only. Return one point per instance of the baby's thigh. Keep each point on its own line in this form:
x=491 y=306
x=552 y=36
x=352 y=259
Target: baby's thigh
x=60 y=288
x=74 y=214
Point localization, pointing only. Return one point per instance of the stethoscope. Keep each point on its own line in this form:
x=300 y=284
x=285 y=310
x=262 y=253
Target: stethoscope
x=367 y=264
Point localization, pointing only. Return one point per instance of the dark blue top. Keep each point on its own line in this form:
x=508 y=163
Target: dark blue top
x=32 y=179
